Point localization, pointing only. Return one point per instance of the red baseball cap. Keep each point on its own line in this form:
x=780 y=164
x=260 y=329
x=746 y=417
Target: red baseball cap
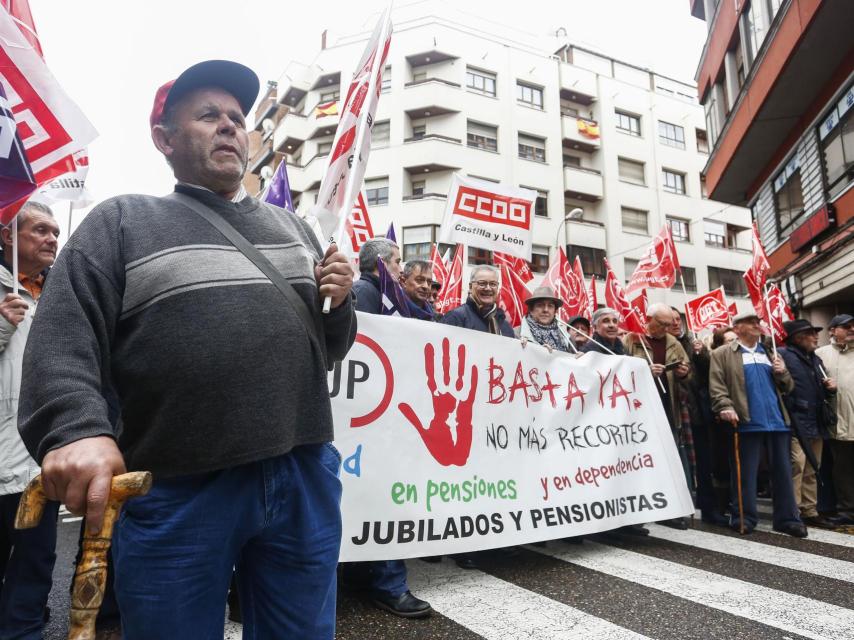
x=239 y=80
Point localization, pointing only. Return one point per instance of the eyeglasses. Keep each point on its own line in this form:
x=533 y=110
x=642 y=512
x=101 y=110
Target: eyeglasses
x=485 y=284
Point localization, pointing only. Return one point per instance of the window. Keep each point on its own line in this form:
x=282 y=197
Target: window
x=703 y=191
x=673 y=182
x=418 y=188
x=702 y=141
x=330 y=95
x=531 y=148
x=539 y=259
x=419 y=76
x=571 y=161
x=631 y=171
x=482 y=136
x=751 y=30
x=671 y=134
x=714 y=233
x=628 y=123
x=418 y=242
x=730 y=280
x=323 y=148
x=788 y=196
x=529 y=95
x=419 y=130
x=480 y=81
x=689 y=274
x=386 y=86
x=566 y=110
x=541 y=206
x=836 y=135
x=592 y=260
x=479 y=256
x=680 y=229
x=376 y=191
x=380 y=134
x=635 y=219
x=629 y=266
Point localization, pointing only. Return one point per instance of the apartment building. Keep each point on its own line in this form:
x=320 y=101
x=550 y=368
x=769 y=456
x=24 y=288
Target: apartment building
x=776 y=80
x=623 y=144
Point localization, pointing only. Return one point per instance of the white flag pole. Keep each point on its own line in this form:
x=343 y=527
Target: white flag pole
x=14 y=228
x=685 y=293
x=770 y=320
x=360 y=136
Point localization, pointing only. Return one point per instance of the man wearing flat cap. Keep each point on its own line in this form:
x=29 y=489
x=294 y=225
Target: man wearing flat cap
x=540 y=324
x=746 y=386
x=220 y=372
x=838 y=358
x=812 y=394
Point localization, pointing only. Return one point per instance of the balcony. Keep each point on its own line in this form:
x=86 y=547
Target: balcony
x=578 y=85
x=586 y=234
x=583 y=184
x=573 y=138
x=426 y=209
x=292 y=130
x=261 y=157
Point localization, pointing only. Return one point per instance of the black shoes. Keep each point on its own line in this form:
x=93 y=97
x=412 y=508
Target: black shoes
x=465 y=562
x=715 y=518
x=634 y=530
x=676 y=523
x=822 y=522
x=406 y=605
x=794 y=529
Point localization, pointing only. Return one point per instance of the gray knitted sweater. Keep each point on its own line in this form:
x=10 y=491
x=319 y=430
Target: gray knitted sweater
x=212 y=368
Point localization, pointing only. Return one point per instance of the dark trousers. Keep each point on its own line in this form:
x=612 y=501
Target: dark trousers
x=843 y=475
x=777 y=446
x=29 y=557
x=382 y=577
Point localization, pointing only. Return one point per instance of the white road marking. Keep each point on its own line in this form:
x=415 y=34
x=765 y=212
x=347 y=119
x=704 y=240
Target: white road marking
x=498 y=610
x=816 y=534
x=750 y=550
x=791 y=613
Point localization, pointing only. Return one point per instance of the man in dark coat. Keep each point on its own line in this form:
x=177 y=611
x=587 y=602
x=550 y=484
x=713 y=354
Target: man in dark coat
x=367 y=287
x=480 y=312
x=806 y=404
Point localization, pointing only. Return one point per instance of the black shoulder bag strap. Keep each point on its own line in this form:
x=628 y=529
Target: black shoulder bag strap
x=257 y=258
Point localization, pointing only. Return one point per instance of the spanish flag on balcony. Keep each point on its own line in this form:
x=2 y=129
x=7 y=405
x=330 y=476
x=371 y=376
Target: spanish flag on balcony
x=326 y=109
x=589 y=128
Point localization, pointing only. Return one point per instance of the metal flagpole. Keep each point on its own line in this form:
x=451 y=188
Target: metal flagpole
x=569 y=326
x=14 y=228
x=70 y=210
x=685 y=292
x=360 y=136
x=649 y=357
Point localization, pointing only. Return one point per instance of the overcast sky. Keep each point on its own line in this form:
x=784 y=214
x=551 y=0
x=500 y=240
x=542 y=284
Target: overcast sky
x=111 y=55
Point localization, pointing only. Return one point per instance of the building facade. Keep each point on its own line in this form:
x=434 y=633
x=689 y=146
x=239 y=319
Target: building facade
x=775 y=80
x=623 y=144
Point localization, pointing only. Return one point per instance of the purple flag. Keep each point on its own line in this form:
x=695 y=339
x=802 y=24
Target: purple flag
x=390 y=233
x=278 y=192
x=16 y=176
x=392 y=294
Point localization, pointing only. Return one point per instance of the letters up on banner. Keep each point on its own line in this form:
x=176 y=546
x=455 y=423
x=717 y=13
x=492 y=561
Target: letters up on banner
x=455 y=440
x=489 y=216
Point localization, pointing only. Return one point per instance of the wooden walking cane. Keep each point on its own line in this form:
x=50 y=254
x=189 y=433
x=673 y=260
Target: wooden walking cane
x=90 y=578
x=738 y=480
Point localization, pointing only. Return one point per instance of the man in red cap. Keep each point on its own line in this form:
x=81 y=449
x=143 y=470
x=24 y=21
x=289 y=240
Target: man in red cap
x=220 y=372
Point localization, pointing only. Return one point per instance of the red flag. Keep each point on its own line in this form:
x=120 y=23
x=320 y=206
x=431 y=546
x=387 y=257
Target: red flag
x=50 y=125
x=733 y=310
x=754 y=290
x=519 y=265
x=554 y=276
x=439 y=268
x=512 y=296
x=592 y=303
x=707 y=311
x=451 y=295
x=615 y=298
x=780 y=312
x=23 y=17
x=639 y=305
x=760 y=267
x=358 y=227
x=658 y=266
x=568 y=284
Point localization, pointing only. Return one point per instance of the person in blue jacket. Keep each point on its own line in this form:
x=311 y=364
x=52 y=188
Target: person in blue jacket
x=480 y=311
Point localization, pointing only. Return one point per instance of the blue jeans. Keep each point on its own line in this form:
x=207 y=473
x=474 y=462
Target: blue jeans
x=278 y=521
x=27 y=570
x=777 y=447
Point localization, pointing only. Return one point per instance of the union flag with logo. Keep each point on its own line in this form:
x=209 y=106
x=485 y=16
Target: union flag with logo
x=707 y=311
x=615 y=297
x=658 y=266
x=451 y=295
x=512 y=296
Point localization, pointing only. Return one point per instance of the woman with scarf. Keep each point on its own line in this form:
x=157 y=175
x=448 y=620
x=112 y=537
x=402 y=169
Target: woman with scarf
x=540 y=325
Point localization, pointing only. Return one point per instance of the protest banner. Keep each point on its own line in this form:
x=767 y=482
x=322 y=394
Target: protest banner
x=455 y=440
x=489 y=216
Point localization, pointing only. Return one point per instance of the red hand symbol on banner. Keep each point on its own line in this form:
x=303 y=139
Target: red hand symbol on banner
x=446 y=448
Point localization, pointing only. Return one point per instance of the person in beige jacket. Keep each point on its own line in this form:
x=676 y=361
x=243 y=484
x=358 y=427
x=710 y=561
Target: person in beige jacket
x=26 y=557
x=838 y=358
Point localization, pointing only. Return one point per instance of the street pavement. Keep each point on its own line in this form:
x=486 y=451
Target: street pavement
x=705 y=583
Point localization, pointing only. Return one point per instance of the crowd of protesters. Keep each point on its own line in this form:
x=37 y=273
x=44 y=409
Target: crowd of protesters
x=108 y=374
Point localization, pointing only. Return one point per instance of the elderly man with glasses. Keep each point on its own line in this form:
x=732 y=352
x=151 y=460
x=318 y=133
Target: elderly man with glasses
x=480 y=311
